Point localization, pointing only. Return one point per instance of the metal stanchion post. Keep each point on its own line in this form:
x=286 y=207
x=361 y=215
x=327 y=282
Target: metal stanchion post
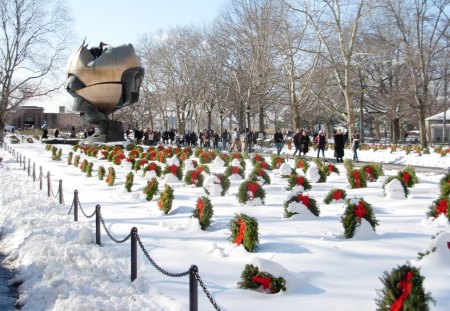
x=34 y=171
x=75 y=205
x=40 y=177
x=193 y=288
x=29 y=170
x=98 y=236
x=133 y=254
x=60 y=192
x=48 y=184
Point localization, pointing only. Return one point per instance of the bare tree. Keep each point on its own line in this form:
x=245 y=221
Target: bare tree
x=32 y=42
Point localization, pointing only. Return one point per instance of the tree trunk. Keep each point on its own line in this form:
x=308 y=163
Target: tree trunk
x=261 y=119
x=209 y=117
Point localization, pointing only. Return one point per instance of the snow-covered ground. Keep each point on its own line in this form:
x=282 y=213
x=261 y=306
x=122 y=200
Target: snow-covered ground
x=62 y=268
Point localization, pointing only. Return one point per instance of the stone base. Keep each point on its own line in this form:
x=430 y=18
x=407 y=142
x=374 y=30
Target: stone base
x=107 y=131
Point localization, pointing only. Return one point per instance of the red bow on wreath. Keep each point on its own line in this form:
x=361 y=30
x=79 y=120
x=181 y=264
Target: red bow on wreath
x=199 y=169
x=300 y=180
x=235 y=170
x=152 y=167
x=173 y=169
x=330 y=168
x=260 y=172
x=406 y=177
x=356 y=176
x=360 y=211
x=304 y=199
x=183 y=157
x=441 y=208
x=406 y=286
x=300 y=164
x=252 y=187
x=263 y=165
x=194 y=176
x=369 y=172
x=265 y=282
x=337 y=195
x=240 y=235
x=200 y=205
x=279 y=162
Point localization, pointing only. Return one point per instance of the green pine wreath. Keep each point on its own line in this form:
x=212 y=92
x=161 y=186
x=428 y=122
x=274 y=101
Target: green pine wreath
x=402 y=182
x=152 y=166
x=297 y=180
x=203 y=212
x=194 y=178
x=258 y=171
x=89 y=169
x=202 y=168
x=445 y=186
x=439 y=206
x=409 y=176
x=224 y=182
x=225 y=158
x=101 y=172
x=173 y=169
x=246 y=187
x=371 y=171
x=277 y=161
x=244 y=230
x=350 y=220
x=348 y=165
x=166 y=199
x=252 y=278
x=129 y=181
x=83 y=165
x=403 y=290
x=306 y=200
x=231 y=170
x=151 y=189
x=301 y=164
x=205 y=158
x=257 y=158
x=69 y=158
x=111 y=178
x=356 y=179
x=334 y=195
x=236 y=155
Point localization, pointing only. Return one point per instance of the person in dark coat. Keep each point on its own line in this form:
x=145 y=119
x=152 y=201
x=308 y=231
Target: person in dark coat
x=297 y=142
x=339 y=143
x=304 y=143
x=278 y=139
x=320 y=142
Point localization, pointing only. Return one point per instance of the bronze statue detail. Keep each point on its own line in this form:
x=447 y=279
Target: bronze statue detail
x=102 y=80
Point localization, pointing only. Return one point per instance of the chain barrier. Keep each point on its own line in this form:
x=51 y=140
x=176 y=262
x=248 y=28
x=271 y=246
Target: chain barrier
x=110 y=235
x=82 y=211
x=174 y=275
x=205 y=290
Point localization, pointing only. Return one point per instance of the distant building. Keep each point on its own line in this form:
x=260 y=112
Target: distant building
x=434 y=125
x=35 y=117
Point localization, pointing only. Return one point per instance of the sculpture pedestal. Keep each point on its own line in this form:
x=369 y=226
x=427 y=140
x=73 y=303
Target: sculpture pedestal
x=107 y=131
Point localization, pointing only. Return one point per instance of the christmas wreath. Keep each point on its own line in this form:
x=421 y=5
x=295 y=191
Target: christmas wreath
x=182 y=156
x=237 y=155
x=205 y=158
x=56 y=154
x=259 y=174
x=224 y=182
x=188 y=151
x=257 y=158
x=301 y=164
x=277 y=161
x=291 y=208
x=173 y=169
x=348 y=165
x=202 y=168
x=409 y=176
x=238 y=162
x=402 y=182
x=225 y=158
x=129 y=181
x=356 y=179
x=244 y=230
x=296 y=180
x=403 y=290
x=355 y=210
x=166 y=199
x=445 y=185
x=110 y=179
x=117 y=158
x=161 y=156
x=193 y=178
x=438 y=207
x=69 y=158
x=232 y=170
x=83 y=165
x=335 y=195
x=203 y=212
x=372 y=171
x=89 y=169
x=151 y=189
x=252 y=278
x=152 y=167
x=249 y=190
x=101 y=172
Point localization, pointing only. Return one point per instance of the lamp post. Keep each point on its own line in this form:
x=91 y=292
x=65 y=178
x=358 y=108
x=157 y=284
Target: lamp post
x=247 y=112
x=221 y=121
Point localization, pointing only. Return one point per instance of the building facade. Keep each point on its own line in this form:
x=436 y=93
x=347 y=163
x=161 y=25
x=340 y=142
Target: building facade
x=35 y=117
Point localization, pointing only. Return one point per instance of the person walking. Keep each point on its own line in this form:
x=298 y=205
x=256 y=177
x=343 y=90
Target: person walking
x=225 y=139
x=236 y=140
x=297 y=142
x=278 y=139
x=339 y=143
x=304 y=143
x=355 y=146
x=320 y=142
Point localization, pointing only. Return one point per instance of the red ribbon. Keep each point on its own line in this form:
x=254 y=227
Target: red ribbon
x=356 y=177
x=360 y=211
x=258 y=158
x=161 y=157
x=300 y=180
x=194 y=176
x=279 y=162
x=337 y=195
x=304 y=199
x=252 y=187
x=369 y=173
x=261 y=280
x=406 y=177
x=330 y=168
x=235 y=170
x=143 y=162
x=300 y=164
x=441 y=208
x=199 y=169
x=263 y=165
x=107 y=179
x=183 y=157
x=200 y=205
x=152 y=167
x=173 y=169
x=240 y=236
x=406 y=286
x=261 y=172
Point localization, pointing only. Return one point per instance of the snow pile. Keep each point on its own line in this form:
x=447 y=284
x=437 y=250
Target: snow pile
x=285 y=170
x=174 y=161
x=364 y=231
x=218 y=162
x=395 y=190
x=313 y=173
x=235 y=162
x=189 y=165
x=212 y=184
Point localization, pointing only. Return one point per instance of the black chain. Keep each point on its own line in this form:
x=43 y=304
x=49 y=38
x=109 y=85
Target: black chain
x=70 y=210
x=81 y=208
x=174 y=275
x=205 y=290
x=109 y=233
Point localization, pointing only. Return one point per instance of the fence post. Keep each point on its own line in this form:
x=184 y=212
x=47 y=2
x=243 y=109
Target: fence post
x=60 y=191
x=193 y=288
x=75 y=205
x=34 y=171
x=24 y=163
x=29 y=167
x=20 y=159
x=133 y=254
x=40 y=177
x=49 y=185
x=98 y=228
